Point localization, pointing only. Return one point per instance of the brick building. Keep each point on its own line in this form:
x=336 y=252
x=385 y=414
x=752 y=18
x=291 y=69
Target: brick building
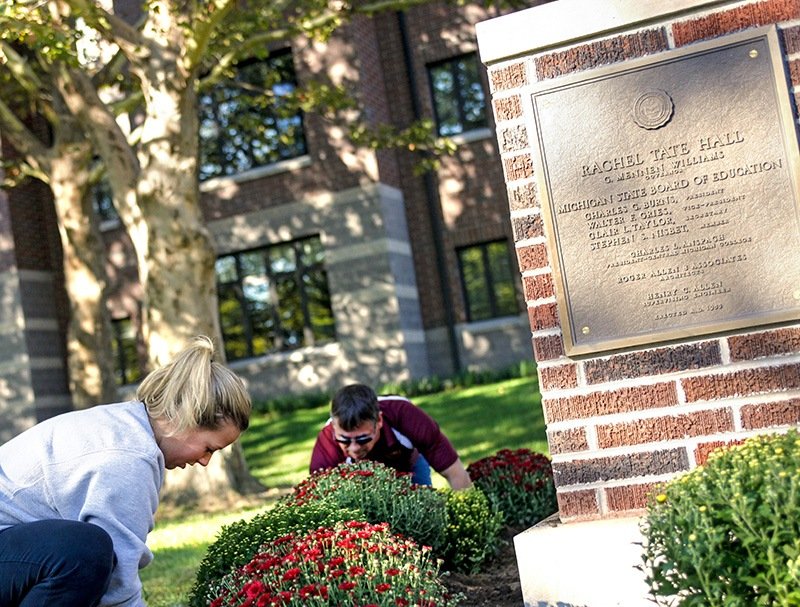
x=335 y=263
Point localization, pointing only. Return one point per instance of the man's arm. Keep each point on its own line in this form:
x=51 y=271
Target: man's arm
x=457 y=476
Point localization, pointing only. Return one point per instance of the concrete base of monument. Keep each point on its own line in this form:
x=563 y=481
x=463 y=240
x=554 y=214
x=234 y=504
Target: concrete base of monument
x=584 y=564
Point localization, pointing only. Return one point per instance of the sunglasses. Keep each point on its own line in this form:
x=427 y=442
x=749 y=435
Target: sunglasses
x=358 y=440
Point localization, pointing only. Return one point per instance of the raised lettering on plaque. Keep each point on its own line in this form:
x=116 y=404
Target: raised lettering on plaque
x=670 y=194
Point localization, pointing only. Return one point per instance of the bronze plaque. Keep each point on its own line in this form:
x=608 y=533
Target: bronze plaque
x=669 y=190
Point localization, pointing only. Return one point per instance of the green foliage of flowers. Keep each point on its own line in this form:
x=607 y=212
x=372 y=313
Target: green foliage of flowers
x=728 y=533
x=473 y=530
x=382 y=496
x=238 y=542
x=353 y=563
x=518 y=483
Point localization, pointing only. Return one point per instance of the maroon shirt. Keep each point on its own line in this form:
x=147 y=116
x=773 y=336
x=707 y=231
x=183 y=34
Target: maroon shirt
x=412 y=422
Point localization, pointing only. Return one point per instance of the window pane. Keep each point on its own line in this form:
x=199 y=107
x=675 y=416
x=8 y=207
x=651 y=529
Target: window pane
x=472 y=98
x=125 y=353
x=505 y=295
x=226 y=269
x=319 y=306
x=473 y=275
x=282 y=259
x=290 y=312
x=258 y=297
x=311 y=252
x=231 y=315
x=458 y=98
x=102 y=201
x=445 y=101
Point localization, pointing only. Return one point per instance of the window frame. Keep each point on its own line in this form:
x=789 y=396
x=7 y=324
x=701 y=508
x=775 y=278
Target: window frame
x=301 y=269
x=298 y=148
x=489 y=282
x=451 y=62
x=124 y=374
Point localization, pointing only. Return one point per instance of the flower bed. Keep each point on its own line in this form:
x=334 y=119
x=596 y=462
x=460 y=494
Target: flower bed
x=382 y=495
x=518 y=483
x=353 y=563
x=425 y=528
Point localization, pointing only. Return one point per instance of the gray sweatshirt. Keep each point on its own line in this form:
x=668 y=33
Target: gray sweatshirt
x=100 y=465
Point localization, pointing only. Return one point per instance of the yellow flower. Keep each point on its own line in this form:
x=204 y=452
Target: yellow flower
x=661 y=498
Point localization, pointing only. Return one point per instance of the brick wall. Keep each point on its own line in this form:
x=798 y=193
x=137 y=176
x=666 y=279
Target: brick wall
x=468 y=189
x=619 y=424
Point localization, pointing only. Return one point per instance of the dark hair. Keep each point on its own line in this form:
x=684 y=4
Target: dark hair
x=353 y=405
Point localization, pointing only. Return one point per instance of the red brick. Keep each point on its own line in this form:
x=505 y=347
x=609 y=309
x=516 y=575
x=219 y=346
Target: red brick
x=629 y=497
x=583 y=503
x=532 y=257
x=518 y=167
x=522 y=196
x=567 y=441
x=768 y=415
x=508 y=77
x=700 y=423
x=513 y=138
x=600 y=52
x=548 y=348
x=703 y=450
x=768 y=343
x=543 y=316
x=636 y=398
x=559 y=378
x=742 y=383
x=507 y=108
x=629 y=465
x=653 y=362
x=794 y=72
x=791 y=39
x=736 y=19
x=538 y=287
x=529 y=226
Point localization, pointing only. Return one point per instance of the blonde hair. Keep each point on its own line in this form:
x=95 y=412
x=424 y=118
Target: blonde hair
x=193 y=391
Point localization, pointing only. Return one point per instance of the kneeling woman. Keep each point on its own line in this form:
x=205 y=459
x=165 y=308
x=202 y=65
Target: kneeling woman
x=78 y=492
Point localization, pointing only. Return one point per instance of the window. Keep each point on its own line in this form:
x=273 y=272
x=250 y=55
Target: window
x=102 y=199
x=274 y=299
x=125 y=351
x=459 y=103
x=487 y=278
x=246 y=122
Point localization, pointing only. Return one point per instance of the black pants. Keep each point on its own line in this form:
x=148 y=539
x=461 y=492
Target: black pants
x=54 y=563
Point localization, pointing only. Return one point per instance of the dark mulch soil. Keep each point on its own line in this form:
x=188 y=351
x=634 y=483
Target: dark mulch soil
x=497 y=584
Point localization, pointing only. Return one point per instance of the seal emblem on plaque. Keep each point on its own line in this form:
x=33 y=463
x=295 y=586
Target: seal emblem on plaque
x=653 y=109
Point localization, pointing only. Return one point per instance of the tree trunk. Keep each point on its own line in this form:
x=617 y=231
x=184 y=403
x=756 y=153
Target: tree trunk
x=179 y=278
x=156 y=193
x=89 y=355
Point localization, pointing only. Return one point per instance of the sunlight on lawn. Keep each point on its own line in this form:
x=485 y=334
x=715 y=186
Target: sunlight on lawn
x=278 y=446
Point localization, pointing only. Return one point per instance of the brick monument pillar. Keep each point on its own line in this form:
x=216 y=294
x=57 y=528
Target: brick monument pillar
x=659 y=246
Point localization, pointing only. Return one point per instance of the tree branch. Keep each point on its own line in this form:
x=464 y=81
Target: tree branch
x=113 y=29
x=23 y=140
x=204 y=30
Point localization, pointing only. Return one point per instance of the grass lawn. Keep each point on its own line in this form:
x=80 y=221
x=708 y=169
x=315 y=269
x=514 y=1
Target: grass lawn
x=479 y=421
